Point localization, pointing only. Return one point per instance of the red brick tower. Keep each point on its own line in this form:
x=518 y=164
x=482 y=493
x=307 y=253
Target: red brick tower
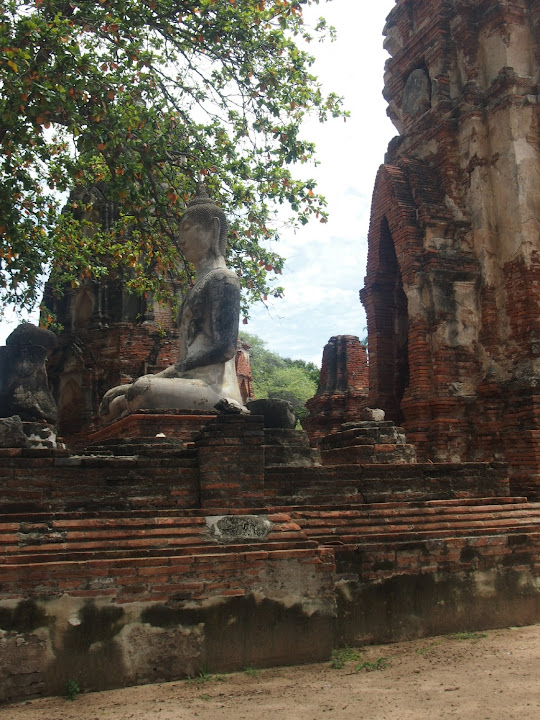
x=452 y=292
x=343 y=387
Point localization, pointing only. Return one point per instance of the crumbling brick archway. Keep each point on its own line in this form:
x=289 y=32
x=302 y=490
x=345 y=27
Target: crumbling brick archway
x=394 y=250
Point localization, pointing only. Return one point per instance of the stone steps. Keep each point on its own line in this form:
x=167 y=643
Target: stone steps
x=357 y=483
x=432 y=519
x=79 y=536
x=221 y=572
x=72 y=554
x=307 y=509
x=356 y=538
x=42 y=538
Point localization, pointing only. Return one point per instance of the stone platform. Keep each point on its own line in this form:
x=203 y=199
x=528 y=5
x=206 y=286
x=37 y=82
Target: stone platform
x=149 y=559
x=180 y=425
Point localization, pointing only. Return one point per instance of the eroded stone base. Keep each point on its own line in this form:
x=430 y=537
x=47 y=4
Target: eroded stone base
x=182 y=425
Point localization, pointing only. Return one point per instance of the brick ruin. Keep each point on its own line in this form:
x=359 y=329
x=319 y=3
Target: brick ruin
x=176 y=542
x=452 y=290
x=343 y=387
x=110 y=336
x=217 y=543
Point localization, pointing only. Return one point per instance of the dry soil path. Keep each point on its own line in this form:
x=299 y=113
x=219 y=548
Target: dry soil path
x=484 y=676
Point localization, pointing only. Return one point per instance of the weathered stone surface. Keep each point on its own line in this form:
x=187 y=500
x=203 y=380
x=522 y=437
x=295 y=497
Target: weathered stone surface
x=153 y=654
x=367 y=442
x=342 y=390
x=12 y=433
x=234 y=528
x=452 y=291
x=42 y=435
x=375 y=414
x=24 y=388
x=28 y=334
x=214 y=612
x=290 y=448
x=230 y=453
x=275 y=412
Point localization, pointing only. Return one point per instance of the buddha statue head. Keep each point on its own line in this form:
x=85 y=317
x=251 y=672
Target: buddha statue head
x=204 y=214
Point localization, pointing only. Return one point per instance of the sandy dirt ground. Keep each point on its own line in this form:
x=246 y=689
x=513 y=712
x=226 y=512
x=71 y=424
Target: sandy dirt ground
x=479 y=676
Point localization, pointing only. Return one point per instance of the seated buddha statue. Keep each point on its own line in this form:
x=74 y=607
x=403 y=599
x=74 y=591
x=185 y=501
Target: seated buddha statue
x=205 y=371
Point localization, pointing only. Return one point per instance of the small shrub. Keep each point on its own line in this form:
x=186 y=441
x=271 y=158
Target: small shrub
x=342 y=656
x=72 y=689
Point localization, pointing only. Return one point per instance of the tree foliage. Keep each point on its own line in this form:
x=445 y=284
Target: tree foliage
x=143 y=98
x=278 y=377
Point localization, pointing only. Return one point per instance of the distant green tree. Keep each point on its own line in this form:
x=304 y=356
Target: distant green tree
x=278 y=377
x=309 y=368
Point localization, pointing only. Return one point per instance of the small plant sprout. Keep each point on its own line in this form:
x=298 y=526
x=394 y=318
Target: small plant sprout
x=203 y=677
x=251 y=671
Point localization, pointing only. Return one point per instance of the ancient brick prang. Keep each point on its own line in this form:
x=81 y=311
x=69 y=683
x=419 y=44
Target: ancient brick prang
x=452 y=291
x=342 y=390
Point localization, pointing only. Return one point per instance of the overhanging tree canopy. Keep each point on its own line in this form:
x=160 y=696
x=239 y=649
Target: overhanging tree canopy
x=142 y=97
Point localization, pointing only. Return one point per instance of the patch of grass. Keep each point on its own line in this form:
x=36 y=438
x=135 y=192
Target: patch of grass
x=72 y=689
x=427 y=649
x=469 y=635
x=205 y=696
x=251 y=671
x=202 y=677
x=340 y=656
x=371 y=666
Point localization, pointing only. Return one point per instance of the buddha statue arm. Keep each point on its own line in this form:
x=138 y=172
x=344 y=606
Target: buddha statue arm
x=217 y=340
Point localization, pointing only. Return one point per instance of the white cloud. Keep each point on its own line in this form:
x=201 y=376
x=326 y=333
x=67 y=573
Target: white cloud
x=327 y=262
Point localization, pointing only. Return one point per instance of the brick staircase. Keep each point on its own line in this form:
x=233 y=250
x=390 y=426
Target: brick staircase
x=147 y=556
x=405 y=521
x=43 y=537
x=115 y=540
x=377 y=571
x=379 y=542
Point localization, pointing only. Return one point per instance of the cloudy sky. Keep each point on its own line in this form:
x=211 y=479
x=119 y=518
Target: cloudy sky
x=326 y=264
